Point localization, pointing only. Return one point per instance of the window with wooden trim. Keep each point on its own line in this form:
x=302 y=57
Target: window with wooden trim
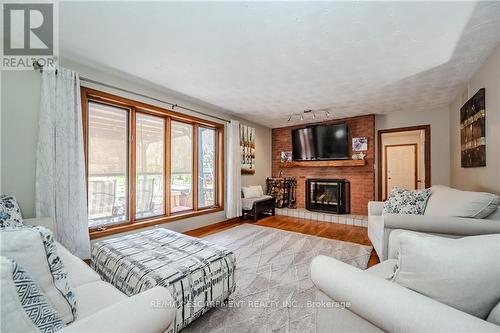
x=148 y=165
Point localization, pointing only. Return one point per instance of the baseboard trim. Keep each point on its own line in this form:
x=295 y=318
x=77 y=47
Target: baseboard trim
x=213 y=228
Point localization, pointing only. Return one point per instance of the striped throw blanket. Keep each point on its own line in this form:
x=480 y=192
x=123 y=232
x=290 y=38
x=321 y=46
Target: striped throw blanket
x=198 y=274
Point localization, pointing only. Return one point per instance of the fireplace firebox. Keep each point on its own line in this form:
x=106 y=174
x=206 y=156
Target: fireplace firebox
x=328 y=195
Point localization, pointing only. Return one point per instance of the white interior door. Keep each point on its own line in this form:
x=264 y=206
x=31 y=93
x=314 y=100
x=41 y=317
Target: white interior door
x=401 y=167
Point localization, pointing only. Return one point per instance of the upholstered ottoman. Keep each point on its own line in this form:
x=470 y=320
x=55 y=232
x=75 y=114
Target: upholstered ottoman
x=199 y=274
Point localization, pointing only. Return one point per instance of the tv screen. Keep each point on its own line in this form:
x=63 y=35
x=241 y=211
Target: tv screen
x=322 y=142
x=303 y=147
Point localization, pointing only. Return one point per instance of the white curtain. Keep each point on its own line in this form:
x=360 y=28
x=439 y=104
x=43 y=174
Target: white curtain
x=233 y=190
x=60 y=167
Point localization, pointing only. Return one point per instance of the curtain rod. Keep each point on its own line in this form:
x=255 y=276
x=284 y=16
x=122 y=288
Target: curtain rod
x=37 y=66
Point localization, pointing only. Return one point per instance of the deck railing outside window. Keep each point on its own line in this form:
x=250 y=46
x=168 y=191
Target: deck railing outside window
x=146 y=163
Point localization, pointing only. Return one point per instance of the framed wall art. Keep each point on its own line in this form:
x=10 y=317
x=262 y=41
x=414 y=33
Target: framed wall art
x=473 y=131
x=360 y=144
x=286 y=156
x=247 y=147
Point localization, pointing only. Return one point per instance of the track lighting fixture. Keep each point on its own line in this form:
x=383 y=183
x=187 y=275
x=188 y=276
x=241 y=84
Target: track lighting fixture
x=314 y=115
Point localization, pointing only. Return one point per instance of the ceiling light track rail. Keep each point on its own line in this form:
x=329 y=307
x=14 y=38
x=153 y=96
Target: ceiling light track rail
x=313 y=114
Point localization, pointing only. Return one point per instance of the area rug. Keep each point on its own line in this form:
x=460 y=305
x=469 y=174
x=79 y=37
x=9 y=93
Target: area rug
x=273 y=286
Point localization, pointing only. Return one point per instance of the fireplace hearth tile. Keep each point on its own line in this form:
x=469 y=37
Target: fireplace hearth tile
x=354 y=220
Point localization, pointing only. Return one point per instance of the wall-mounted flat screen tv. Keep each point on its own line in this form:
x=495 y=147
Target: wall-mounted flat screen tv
x=320 y=142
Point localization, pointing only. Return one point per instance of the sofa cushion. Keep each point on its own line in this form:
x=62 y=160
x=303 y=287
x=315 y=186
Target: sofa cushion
x=495 y=215
x=79 y=273
x=494 y=316
x=447 y=201
x=385 y=269
x=35 y=249
x=10 y=214
x=24 y=306
x=95 y=296
x=462 y=273
x=403 y=201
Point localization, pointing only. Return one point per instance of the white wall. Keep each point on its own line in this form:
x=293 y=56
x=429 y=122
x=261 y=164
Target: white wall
x=481 y=178
x=20 y=96
x=440 y=139
x=263 y=162
x=20 y=92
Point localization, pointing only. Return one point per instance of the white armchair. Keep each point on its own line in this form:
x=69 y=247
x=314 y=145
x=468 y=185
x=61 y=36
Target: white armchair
x=46 y=222
x=133 y=314
x=377 y=304
x=381 y=225
x=103 y=308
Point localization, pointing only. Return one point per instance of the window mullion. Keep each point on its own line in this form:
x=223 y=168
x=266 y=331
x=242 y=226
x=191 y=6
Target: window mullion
x=219 y=151
x=195 y=167
x=167 y=168
x=132 y=165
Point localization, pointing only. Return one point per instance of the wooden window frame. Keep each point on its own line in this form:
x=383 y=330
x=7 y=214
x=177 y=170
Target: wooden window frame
x=193 y=174
x=216 y=152
x=135 y=107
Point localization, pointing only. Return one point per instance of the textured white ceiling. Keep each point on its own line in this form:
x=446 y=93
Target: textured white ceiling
x=265 y=61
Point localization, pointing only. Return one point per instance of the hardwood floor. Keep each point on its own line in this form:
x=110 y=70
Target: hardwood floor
x=337 y=231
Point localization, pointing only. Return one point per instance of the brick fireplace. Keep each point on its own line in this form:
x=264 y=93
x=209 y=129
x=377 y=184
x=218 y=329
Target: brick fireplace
x=361 y=178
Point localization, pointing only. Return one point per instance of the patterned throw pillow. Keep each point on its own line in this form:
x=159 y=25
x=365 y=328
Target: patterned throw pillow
x=403 y=201
x=10 y=214
x=20 y=292
x=39 y=256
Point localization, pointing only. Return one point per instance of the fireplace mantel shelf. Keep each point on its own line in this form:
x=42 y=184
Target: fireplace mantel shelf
x=338 y=163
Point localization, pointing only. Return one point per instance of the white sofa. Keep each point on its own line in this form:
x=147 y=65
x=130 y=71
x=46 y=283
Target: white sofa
x=379 y=305
x=103 y=308
x=381 y=225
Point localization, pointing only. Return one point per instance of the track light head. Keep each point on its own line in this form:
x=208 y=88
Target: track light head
x=323 y=114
